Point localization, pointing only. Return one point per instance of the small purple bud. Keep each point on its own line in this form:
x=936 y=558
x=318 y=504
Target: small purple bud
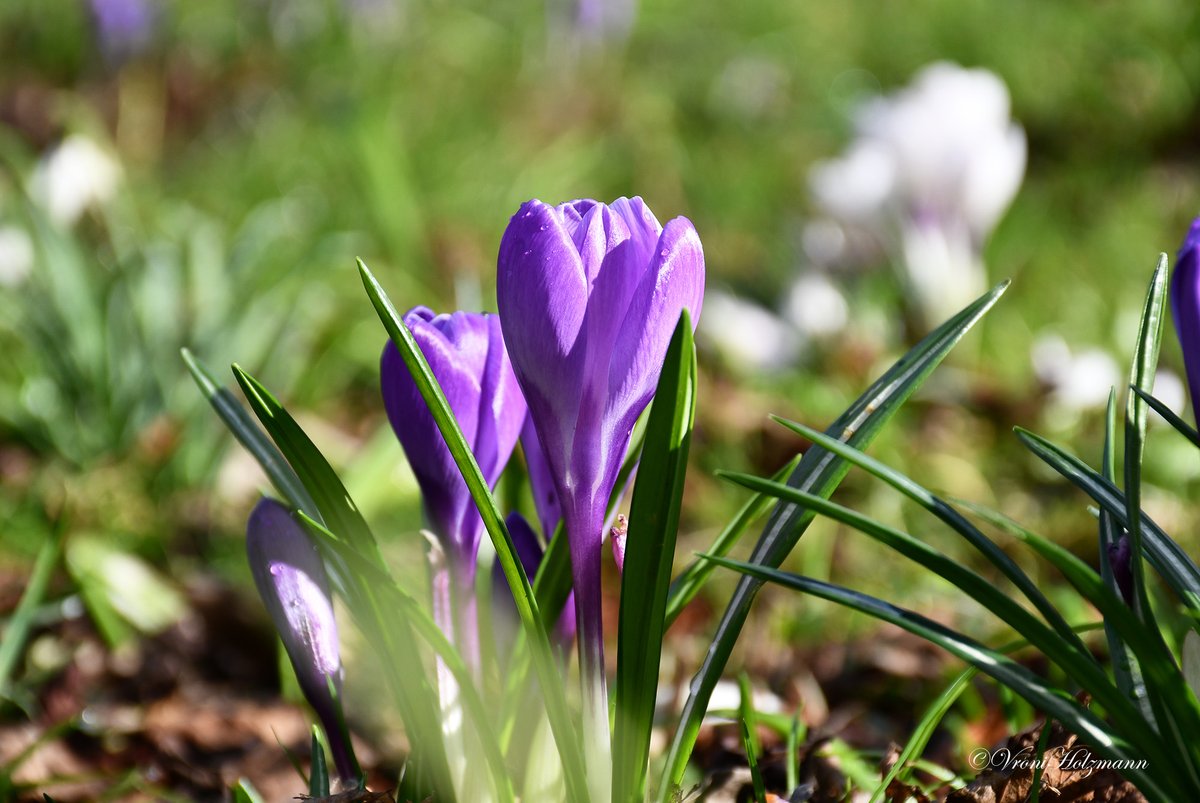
x=618 y=535
x=293 y=585
x=1120 y=558
x=1185 y=309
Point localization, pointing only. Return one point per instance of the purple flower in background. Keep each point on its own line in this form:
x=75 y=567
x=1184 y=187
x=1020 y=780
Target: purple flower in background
x=293 y=585
x=123 y=27
x=465 y=351
x=530 y=553
x=589 y=295
x=1185 y=309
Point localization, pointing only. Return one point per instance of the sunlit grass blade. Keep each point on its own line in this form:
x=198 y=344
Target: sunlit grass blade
x=1124 y=666
x=12 y=645
x=1053 y=701
x=649 y=556
x=1175 y=708
x=951 y=517
x=244 y=792
x=749 y=743
x=819 y=472
x=923 y=731
x=1167 y=557
x=318 y=779
x=691 y=580
x=1141 y=376
x=377 y=600
x=1168 y=415
x=1077 y=663
x=251 y=437
x=793 y=756
x=545 y=666
x=337 y=508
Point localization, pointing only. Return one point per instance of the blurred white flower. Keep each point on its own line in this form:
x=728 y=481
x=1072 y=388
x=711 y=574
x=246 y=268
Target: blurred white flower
x=815 y=306
x=73 y=177
x=933 y=168
x=1076 y=382
x=1170 y=390
x=746 y=335
x=16 y=255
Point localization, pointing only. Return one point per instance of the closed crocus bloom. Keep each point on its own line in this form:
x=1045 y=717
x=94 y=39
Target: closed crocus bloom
x=589 y=295
x=291 y=580
x=1185 y=309
x=465 y=351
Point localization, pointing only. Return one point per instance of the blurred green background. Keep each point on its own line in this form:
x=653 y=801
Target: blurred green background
x=264 y=144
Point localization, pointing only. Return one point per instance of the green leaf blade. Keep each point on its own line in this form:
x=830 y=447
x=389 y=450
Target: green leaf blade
x=818 y=471
x=653 y=525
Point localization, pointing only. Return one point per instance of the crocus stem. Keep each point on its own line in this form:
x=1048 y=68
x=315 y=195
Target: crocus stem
x=443 y=589
x=590 y=638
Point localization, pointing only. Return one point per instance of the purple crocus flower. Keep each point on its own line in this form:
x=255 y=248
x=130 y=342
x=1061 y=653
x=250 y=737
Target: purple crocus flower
x=466 y=353
x=589 y=295
x=541 y=481
x=293 y=585
x=123 y=27
x=1185 y=309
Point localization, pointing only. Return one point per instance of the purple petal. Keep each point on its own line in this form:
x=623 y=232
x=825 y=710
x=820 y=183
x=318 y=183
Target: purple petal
x=674 y=281
x=1185 y=309
x=541 y=292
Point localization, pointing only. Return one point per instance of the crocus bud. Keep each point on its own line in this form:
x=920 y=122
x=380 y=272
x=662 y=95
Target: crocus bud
x=291 y=580
x=589 y=296
x=1185 y=309
x=466 y=353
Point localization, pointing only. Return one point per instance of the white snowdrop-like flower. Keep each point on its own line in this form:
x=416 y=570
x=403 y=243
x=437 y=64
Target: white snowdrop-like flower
x=815 y=306
x=73 y=177
x=745 y=334
x=931 y=171
x=1077 y=381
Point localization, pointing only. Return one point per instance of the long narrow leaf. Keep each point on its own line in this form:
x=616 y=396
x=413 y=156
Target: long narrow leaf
x=1141 y=376
x=1055 y=702
x=337 y=509
x=1169 y=415
x=955 y=520
x=251 y=437
x=383 y=598
x=1124 y=666
x=1175 y=707
x=687 y=585
x=21 y=623
x=819 y=472
x=653 y=525
x=1078 y=664
x=545 y=666
x=1167 y=557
